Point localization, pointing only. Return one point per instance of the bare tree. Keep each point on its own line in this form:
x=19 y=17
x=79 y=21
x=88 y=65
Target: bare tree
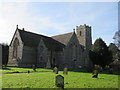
x=117 y=39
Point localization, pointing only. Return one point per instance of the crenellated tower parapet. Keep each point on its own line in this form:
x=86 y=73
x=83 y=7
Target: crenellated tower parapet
x=84 y=35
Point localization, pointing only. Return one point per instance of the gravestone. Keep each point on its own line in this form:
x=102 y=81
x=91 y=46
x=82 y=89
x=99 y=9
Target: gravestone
x=95 y=74
x=55 y=70
x=65 y=71
x=34 y=68
x=60 y=81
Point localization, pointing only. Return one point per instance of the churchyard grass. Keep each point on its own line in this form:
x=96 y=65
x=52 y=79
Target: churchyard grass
x=21 y=70
x=47 y=80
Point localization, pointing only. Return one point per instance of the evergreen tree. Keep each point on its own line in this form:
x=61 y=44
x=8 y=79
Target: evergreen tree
x=100 y=54
x=114 y=50
x=5 y=51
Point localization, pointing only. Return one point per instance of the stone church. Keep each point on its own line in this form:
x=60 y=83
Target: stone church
x=65 y=50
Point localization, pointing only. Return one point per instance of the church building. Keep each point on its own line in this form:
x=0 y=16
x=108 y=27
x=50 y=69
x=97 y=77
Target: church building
x=65 y=50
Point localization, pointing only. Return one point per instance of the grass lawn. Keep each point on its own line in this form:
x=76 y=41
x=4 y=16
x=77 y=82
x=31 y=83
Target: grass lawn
x=47 y=80
x=15 y=69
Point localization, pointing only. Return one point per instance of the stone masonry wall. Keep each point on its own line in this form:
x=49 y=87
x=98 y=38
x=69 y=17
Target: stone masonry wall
x=11 y=60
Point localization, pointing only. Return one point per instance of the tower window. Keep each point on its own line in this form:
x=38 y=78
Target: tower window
x=80 y=33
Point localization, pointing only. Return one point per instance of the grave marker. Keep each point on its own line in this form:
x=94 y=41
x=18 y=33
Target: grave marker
x=55 y=70
x=34 y=68
x=60 y=81
x=65 y=71
x=95 y=74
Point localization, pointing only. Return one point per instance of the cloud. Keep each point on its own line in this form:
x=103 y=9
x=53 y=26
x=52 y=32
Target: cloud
x=11 y=15
x=54 y=18
x=18 y=13
x=45 y=23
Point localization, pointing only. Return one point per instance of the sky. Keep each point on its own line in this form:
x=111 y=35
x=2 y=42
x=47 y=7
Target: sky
x=53 y=18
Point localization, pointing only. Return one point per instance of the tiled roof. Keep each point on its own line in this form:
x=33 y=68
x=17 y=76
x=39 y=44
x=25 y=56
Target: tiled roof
x=32 y=40
x=63 y=38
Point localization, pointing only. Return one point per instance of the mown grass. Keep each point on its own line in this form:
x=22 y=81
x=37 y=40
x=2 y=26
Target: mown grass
x=47 y=80
x=15 y=69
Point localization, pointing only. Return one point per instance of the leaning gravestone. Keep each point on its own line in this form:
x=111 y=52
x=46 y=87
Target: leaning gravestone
x=34 y=68
x=60 y=81
x=65 y=71
x=95 y=74
x=55 y=70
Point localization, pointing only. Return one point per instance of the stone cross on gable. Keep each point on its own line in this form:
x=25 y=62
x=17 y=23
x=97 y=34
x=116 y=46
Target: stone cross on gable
x=73 y=29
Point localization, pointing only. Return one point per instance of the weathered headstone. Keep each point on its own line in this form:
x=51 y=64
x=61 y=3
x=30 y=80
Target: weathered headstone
x=65 y=71
x=34 y=68
x=95 y=74
x=55 y=70
x=60 y=81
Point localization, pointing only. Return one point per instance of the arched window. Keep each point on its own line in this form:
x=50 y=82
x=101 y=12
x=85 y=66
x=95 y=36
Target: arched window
x=15 y=48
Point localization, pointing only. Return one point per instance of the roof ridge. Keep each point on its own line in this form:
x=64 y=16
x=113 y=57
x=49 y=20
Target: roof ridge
x=33 y=39
x=62 y=34
x=33 y=33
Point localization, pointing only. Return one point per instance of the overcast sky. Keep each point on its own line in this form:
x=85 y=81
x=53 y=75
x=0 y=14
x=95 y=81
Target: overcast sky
x=53 y=18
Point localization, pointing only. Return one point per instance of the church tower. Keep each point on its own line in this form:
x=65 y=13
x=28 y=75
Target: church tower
x=84 y=35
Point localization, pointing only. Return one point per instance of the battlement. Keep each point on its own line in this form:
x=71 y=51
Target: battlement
x=83 y=26
x=84 y=35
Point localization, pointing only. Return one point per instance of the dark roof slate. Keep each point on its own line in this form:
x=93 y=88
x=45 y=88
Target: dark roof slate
x=63 y=38
x=32 y=40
